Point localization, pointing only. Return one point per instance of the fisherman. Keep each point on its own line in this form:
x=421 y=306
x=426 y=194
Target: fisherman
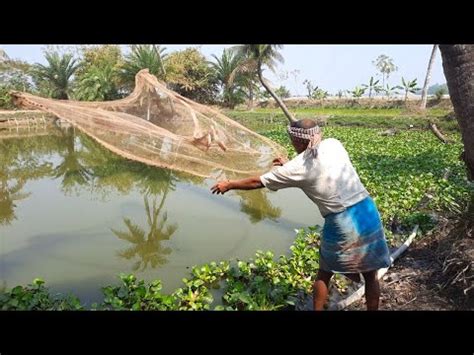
x=353 y=240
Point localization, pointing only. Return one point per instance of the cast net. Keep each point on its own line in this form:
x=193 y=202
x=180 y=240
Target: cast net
x=159 y=127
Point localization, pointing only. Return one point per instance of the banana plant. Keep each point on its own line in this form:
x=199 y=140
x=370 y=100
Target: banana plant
x=319 y=94
x=372 y=86
x=409 y=86
x=389 y=91
x=358 y=92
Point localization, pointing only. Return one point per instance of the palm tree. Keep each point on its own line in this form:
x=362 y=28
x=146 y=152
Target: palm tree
x=56 y=76
x=143 y=57
x=224 y=68
x=259 y=55
x=250 y=83
x=458 y=66
x=372 y=86
x=424 y=93
x=147 y=246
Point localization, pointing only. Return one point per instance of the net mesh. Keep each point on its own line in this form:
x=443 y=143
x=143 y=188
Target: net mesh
x=159 y=127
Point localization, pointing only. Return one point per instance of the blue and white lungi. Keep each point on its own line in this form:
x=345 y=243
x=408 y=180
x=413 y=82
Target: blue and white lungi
x=353 y=241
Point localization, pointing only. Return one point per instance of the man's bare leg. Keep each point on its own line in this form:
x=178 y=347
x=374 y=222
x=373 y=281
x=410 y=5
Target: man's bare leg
x=372 y=290
x=320 y=289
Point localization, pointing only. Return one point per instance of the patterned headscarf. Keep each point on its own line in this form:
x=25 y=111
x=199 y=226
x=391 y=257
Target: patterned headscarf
x=311 y=135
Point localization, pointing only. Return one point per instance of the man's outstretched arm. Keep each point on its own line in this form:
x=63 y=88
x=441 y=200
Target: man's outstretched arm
x=244 y=184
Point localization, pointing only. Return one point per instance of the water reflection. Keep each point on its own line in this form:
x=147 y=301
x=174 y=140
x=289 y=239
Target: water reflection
x=20 y=162
x=147 y=245
x=257 y=206
x=96 y=214
x=8 y=195
x=155 y=184
x=72 y=170
x=82 y=164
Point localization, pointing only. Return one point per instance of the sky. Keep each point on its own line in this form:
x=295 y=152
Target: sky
x=331 y=67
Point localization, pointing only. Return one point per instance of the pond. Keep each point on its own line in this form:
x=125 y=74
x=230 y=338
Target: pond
x=76 y=215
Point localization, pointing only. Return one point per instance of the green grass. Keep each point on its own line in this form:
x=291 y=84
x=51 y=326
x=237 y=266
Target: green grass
x=264 y=119
x=349 y=111
x=335 y=111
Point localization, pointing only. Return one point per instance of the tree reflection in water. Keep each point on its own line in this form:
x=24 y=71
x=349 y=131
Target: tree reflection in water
x=84 y=164
x=256 y=205
x=147 y=245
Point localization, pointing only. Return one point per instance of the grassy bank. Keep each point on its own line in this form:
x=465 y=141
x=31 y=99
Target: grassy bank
x=264 y=119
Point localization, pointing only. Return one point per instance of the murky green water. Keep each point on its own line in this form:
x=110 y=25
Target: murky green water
x=76 y=215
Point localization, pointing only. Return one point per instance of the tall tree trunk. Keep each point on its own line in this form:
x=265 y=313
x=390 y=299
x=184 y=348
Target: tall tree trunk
x=458 y=65
x=250 y=103
x=226 y=100
x=424 y=93
x=277 y=99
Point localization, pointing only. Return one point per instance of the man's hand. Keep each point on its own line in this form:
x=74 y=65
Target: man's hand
x=221 y=187
x=279 y=161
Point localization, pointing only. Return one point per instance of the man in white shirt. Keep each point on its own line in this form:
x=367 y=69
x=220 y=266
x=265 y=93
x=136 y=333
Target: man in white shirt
x=353 y=241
